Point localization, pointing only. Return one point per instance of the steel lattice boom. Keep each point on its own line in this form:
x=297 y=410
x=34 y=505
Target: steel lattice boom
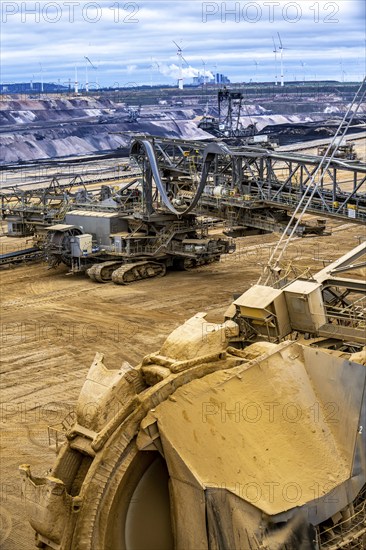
x=220 y=177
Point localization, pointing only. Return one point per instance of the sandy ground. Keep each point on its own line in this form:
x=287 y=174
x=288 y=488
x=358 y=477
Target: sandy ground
x=52 y=325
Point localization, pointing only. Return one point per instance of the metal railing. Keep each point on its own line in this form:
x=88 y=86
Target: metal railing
x=348 y=534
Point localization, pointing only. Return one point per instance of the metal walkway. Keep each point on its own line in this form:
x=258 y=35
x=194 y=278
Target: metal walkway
x=245 y=186
x=249 y=178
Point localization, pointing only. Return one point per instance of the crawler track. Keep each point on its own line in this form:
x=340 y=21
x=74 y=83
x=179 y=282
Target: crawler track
x=129 y=273
x=102 y=273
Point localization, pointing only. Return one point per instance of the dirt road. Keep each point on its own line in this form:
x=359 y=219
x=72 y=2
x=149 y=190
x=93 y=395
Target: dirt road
x=52 y=325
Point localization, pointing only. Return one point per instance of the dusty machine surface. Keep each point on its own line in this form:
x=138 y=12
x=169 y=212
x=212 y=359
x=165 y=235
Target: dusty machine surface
x=126 y=248
x=245 y=434
x=31 y=211
x=28 y=208
x=250 y=190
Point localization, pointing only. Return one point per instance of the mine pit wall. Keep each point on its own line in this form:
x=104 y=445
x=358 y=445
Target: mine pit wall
x=47 y=128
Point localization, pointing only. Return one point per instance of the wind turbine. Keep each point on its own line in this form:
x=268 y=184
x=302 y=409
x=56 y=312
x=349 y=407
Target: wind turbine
x=87 y=62
x=76 y=81
x=215 y=72
x=152 y=65
x=275 y=52
x=303 y=70
x=256 y=69
x=151 y=70
x=181 y=59
x=281 y=53
x=204 y=71
x=343 y=72
x=96 y=66
x=41 y=77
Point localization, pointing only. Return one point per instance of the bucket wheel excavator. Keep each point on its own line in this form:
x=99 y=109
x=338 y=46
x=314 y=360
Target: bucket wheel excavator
x=238 y=435
x=163 y=232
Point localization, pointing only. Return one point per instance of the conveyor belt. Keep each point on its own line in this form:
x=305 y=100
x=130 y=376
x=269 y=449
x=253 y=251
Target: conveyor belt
x=269 y=179
x=209 y=153
x=33 y=253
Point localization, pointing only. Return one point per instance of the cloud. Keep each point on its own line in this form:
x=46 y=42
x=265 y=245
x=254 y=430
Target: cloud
x=187 y=72
x=122 y=37
x=131 y=69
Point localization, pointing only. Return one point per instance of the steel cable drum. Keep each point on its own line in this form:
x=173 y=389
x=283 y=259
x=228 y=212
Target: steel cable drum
x=146 y=147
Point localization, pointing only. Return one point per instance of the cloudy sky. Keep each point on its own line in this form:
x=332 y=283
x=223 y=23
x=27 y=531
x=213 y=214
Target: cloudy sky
x=132 y=42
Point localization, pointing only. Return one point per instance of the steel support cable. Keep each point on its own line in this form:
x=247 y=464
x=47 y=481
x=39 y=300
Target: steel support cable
x=209 y=154
x=272 y=263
